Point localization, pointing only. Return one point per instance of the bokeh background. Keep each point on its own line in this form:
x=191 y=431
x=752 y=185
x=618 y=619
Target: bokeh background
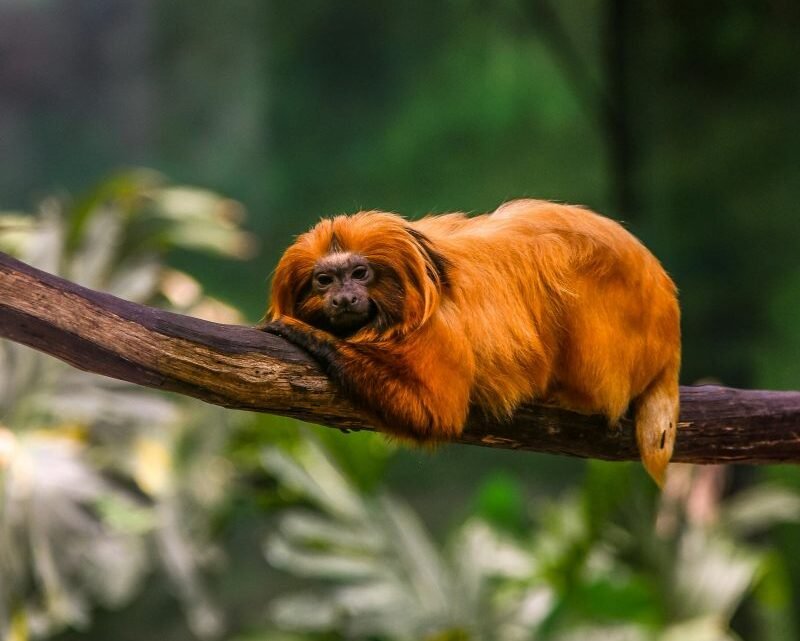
x=169 y=151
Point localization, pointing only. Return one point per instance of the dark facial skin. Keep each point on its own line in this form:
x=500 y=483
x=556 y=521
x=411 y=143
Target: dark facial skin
x=342 y=281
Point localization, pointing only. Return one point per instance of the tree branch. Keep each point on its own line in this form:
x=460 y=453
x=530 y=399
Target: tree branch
x=240 y=367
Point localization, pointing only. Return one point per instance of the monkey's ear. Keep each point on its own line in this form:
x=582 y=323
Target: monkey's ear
x=280 y=303
x=436 y=265
x=425 y=274
x=291 y=276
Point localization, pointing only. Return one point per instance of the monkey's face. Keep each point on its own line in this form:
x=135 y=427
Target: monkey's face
x=368 y=276
x=341 y=283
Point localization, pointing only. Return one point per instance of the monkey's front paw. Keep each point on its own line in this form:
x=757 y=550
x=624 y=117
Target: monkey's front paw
x=276 y=327
x=288 y=332
x=313 y=341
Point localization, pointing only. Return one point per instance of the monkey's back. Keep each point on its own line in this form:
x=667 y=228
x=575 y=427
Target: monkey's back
x=565 y=305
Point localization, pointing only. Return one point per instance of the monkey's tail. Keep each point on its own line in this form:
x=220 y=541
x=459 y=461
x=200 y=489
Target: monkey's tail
x=657 y=423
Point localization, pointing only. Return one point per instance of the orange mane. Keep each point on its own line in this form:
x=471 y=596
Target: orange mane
x=388 y=243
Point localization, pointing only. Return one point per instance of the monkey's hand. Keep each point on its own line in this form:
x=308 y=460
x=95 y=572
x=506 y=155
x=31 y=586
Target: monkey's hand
x=342 y=362
x=391 y=383
x=332 y=354
x=319 y=344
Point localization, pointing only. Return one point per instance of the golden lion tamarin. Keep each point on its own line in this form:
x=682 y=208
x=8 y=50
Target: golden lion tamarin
x=535 y=301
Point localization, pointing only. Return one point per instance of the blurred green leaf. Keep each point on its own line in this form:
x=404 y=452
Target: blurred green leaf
x=500 y=501
x=606 y=488
x=620 y=597
x=759 y=508
x=124 y=191
x=71 y=538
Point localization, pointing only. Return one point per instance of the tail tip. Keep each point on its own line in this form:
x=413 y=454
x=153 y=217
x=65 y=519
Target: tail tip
x=656 y=467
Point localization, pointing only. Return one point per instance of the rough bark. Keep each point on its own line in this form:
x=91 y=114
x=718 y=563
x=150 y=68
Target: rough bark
x=240 y=367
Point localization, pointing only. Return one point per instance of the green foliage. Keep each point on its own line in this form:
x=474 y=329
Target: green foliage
x=99 y=477
x=387 y=578
x=500 y=502
x=580 y=573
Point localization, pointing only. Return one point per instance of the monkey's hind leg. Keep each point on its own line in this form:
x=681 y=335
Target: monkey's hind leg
x=657 y=423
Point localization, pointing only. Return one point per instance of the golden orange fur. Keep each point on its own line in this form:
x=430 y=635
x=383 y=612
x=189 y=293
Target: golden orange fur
x=535 y=301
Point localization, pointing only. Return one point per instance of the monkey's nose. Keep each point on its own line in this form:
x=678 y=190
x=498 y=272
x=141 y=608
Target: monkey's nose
x=344 y=301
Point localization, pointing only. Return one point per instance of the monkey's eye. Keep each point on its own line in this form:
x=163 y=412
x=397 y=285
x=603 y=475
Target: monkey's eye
x=360 y=273
x=323 y=280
